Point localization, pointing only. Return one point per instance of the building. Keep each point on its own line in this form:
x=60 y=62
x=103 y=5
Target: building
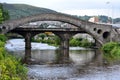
x=94 y=19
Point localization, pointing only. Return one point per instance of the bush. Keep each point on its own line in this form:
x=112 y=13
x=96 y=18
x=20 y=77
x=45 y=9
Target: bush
x=80 y=42
x=3 y=38
x=111 y=51
x=75 y=42
x=86 y=43
x=10 y=67
x=55 y=40
x=106 y=48
x=2 y=44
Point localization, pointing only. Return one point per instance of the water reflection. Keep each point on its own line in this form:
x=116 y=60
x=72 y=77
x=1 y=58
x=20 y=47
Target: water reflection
x=43 y=56
x=78 y=57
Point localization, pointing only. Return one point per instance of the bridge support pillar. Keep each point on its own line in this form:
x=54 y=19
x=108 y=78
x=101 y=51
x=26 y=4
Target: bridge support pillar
x=97 y=44
x=27 y=57
x=64 y=46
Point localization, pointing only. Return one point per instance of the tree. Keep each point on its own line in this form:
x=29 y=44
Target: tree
x=116 y=20
x=3 y=14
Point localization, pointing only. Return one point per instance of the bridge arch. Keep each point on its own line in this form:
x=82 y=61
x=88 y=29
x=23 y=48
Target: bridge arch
x=95 y=30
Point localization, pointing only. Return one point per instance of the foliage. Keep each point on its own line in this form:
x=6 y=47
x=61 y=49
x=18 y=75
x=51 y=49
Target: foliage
x=84 y=17
x=10 y=67
x=109 y=46
x=104 y=19
x=2 y=44
x=111 y=51
x=42 y=35
x=116 y=20
x=3 y=14
x=80 y=42
x=75 y=42
x=55 y=40
x=86 y=43
x=3 y=38
x=50 y=39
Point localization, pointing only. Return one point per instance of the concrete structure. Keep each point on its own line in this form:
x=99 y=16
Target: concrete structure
x=102 y=33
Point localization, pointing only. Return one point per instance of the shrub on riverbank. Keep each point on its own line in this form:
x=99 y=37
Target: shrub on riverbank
x=2 y=38
x=80 y=42
x=55 y=40
x=111 y=50
x=10 y=67
x=51 y=40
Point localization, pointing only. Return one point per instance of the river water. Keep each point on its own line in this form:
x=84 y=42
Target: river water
x=84 y=64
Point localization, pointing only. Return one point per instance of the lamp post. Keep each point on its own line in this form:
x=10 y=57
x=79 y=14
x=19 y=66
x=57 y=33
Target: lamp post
x=111 y=18
x=111 y=10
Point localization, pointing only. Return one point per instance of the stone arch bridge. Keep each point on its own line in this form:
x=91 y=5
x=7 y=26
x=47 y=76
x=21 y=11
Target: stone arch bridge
x=102 y=33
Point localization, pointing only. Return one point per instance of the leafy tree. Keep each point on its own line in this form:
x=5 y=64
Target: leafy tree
x=3 y=38
x=42 y=35
x=116 y=20
x=103 y=19
x=3 y=14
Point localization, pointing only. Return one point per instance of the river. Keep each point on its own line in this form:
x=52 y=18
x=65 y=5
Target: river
x=85 y=64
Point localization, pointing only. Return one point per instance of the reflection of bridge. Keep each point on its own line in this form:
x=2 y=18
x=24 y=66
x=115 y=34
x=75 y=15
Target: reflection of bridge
x=100 y=32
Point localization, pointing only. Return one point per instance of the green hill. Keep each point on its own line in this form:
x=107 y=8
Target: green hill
x=22 y=10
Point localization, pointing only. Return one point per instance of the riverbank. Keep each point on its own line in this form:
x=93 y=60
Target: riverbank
x=85 y=64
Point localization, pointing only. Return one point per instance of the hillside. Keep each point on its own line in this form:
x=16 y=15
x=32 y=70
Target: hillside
x=22 y=10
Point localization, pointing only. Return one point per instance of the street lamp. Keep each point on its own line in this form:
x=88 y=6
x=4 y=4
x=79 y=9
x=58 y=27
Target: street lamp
x=111 y=19
x=111 y=12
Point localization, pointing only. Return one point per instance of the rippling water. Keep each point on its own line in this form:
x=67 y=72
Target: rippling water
x=84 y=64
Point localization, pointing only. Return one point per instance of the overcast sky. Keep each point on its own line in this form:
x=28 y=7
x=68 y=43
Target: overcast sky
x=76 y=7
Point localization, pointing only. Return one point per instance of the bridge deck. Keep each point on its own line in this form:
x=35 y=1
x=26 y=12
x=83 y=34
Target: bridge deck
x=49 y=30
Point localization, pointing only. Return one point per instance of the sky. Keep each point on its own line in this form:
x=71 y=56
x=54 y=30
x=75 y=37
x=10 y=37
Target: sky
x=76 y=7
